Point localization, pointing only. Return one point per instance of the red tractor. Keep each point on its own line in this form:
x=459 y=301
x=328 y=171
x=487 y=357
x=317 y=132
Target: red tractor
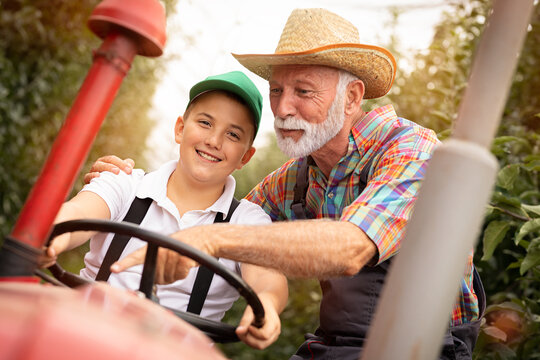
x=82 y=319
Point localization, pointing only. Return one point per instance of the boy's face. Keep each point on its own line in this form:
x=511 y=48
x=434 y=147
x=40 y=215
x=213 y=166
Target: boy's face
x=215 y=138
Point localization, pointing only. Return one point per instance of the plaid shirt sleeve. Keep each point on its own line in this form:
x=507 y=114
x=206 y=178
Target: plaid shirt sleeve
x=271 y=194
x=384 y=207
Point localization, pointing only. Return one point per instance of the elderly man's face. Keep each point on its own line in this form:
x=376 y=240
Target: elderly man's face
x=307 y=111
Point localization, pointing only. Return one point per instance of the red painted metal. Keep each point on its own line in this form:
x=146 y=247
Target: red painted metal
x=144 y=17
x=93 y=322
x=74 y=140
x=127 y=30
x=97 y=321
x=24 y=279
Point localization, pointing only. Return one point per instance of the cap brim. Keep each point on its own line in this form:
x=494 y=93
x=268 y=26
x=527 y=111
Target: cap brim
x=218 y=84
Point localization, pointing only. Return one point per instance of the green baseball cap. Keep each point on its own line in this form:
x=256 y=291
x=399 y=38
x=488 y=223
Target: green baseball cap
x=237 y=83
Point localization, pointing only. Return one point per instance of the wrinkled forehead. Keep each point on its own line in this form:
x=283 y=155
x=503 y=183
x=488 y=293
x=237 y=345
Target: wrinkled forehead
x=303 y=72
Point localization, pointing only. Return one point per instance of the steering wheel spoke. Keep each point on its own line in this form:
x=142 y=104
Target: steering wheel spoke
x=218 y=332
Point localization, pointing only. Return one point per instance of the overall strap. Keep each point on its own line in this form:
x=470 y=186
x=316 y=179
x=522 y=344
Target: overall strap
x=302 y=178
x=298 y=205
x=136 y=213
x=205 y=275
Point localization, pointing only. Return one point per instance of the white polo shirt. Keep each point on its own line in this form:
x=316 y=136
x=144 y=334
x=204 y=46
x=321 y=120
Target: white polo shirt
x=118 y=191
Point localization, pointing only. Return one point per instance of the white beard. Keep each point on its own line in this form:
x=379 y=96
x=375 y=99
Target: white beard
x=315 y=136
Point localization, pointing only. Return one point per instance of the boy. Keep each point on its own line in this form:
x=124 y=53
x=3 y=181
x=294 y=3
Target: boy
x=215 y=136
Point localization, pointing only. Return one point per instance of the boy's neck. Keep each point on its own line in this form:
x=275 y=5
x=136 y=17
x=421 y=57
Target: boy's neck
x=188 y=196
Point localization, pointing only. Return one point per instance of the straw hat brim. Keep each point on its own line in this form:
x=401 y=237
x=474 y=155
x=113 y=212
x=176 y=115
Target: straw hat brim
x=374 y=65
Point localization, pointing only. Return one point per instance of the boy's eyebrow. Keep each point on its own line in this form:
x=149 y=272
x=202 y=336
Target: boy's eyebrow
x=206 y=114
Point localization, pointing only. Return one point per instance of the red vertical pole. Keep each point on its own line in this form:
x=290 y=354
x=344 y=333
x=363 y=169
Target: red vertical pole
x=111 y=63
x=127 y=31
x=22 y=247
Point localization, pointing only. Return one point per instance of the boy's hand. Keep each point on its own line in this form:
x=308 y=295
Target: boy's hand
x=170 y=266
x=56 y=247
x=109 y=163
x=260 y=338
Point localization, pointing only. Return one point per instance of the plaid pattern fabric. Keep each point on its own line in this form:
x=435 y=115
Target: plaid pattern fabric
x=384 y=207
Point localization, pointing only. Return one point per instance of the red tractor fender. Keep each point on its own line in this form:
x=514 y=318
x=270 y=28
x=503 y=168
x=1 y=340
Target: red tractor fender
x=92 y=322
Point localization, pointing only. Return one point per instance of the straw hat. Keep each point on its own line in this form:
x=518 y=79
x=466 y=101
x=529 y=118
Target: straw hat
x=320 y=37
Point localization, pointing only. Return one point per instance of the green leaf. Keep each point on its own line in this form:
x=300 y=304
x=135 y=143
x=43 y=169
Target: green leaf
x=516 y=212
x=532 y=258
x=529 y=194
x=527 y=228
x=441 y=115
x=534 y=209
x=442 y=135
x=500 y=198
x=533 y=165
x=494 y=234
x=507 y=176
x=511 y=139
x=489 y=210
x=507 y=305
x=508 y=205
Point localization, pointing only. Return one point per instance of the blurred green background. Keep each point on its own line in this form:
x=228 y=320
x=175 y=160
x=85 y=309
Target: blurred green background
x=45 y=54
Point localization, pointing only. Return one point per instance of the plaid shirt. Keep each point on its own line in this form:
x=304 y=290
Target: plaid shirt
x=384 y=207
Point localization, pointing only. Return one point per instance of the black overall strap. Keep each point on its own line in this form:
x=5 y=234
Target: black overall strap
x=302 y=178
x=136 y=213
x=298 y=205
x=205 y=275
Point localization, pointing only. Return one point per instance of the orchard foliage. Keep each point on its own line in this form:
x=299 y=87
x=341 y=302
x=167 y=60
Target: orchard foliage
x=508 y=253
x=45 y=54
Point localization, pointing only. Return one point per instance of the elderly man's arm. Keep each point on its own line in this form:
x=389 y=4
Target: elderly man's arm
x=299 y=249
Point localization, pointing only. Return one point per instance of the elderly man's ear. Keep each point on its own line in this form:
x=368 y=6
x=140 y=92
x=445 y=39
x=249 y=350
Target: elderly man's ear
x=354 y=97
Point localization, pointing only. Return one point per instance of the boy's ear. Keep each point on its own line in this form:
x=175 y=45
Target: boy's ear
x=247 y=156
x=179 y=129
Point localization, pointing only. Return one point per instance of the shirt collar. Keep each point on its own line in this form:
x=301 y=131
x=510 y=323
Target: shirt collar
x=154 y=186
x=223 y=204
x=367 y=130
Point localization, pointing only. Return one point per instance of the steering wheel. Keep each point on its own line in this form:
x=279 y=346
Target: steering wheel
x=218 y=332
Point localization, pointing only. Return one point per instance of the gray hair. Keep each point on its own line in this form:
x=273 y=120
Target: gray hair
x=345 y=78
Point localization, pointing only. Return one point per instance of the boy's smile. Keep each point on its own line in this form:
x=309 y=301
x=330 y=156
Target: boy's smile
x=215 y=139
x=207 y=156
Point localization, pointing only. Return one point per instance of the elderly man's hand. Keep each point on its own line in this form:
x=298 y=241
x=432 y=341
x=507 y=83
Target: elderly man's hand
x=109 y=163
x=170 y=266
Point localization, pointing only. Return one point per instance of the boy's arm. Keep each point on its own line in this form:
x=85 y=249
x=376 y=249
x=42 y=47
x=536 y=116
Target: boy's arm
x=271 y=288
x=85 y=205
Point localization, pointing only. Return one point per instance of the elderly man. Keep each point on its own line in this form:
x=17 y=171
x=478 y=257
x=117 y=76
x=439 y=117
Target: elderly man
x=353 y=179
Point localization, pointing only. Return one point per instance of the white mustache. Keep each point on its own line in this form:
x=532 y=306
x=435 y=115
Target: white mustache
x=290 y=123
